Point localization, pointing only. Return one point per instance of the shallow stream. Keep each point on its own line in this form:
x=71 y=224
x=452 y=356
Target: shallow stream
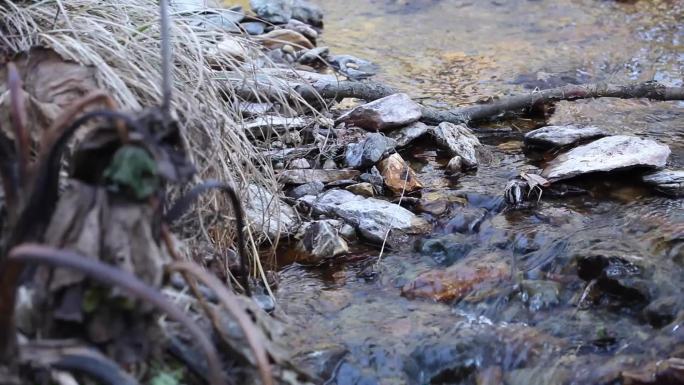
x=583 y=287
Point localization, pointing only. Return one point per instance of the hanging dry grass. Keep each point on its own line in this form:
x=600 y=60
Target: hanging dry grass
x=121 y=39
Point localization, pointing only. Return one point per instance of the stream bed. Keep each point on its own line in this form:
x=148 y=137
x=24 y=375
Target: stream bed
x=583 y=287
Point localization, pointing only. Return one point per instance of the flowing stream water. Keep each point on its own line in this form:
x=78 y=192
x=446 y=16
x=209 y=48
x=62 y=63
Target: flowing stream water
x=590 y=289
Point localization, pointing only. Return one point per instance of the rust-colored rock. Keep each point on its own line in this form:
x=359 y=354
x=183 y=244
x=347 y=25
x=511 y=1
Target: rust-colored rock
x=398 y=175
x=455 y=282
x=280 y=37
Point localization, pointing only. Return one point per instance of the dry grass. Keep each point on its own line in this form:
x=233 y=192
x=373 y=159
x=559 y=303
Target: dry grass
x=121 y=38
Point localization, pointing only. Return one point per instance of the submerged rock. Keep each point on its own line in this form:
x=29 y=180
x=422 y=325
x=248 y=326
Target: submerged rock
x=459 y=140
x=669 y=182
x=273 y=11
x=612 y=153
x=457 y=281
x=369 y=151
x=319 y=241
x=404 y=136
x=398 y=175
x=558 y=136
x=372 y=217
x=306 y=176
x=390 y=112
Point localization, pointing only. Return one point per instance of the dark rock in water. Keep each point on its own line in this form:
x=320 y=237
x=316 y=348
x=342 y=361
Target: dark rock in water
x=612 y=153
x=353 y=67
x=459 y=140
x=448 y=249
x=372 y=217
x=306 y=176
x=663 y=310
x=254 y=27
x=272 y=11
x=311 y=188
x=466 y=220
x=669 y=182
x=307 y=12
x=314 y=55
x=320 y=241
x=384 y=114
x=620 y=279
x=558 y=136
x=405 y=135
x=369 y=151
x=488 y=202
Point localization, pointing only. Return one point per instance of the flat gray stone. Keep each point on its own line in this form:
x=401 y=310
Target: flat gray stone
x=558 y=136
x=611 y=153
x=369 y=151
x=405 y=135
x=386 y=113
x=669 y=182
x=372 y=217
x=459 y=140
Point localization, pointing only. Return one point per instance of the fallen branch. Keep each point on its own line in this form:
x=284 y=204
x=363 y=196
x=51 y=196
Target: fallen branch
x=371 y=91
x=649 y=90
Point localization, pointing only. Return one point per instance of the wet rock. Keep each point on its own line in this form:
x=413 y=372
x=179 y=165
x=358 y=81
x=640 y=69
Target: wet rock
x=466 y=220
x=612 y=153
x=457 y=281
x=320 y=241
x=307 y=12
x=558 y=136
x=281 y=37
x=663 y=310
x=254 y=27
x=306 y=176
x=447 y=250
x=669 y=182
x=618 y=278
x=459 y=140
x=268 y=214
x=313 y=56
x=369 y=151
x=405 y=135
x=384 y=114
x=273 y=11
x=353 y=67
x=398 y=175
x=440 y=201
x=539 y=295
x=372 y=217
x=455 y=165
x=516 y=192
x=300 y=164
x=311 y=188
x=364 y=189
